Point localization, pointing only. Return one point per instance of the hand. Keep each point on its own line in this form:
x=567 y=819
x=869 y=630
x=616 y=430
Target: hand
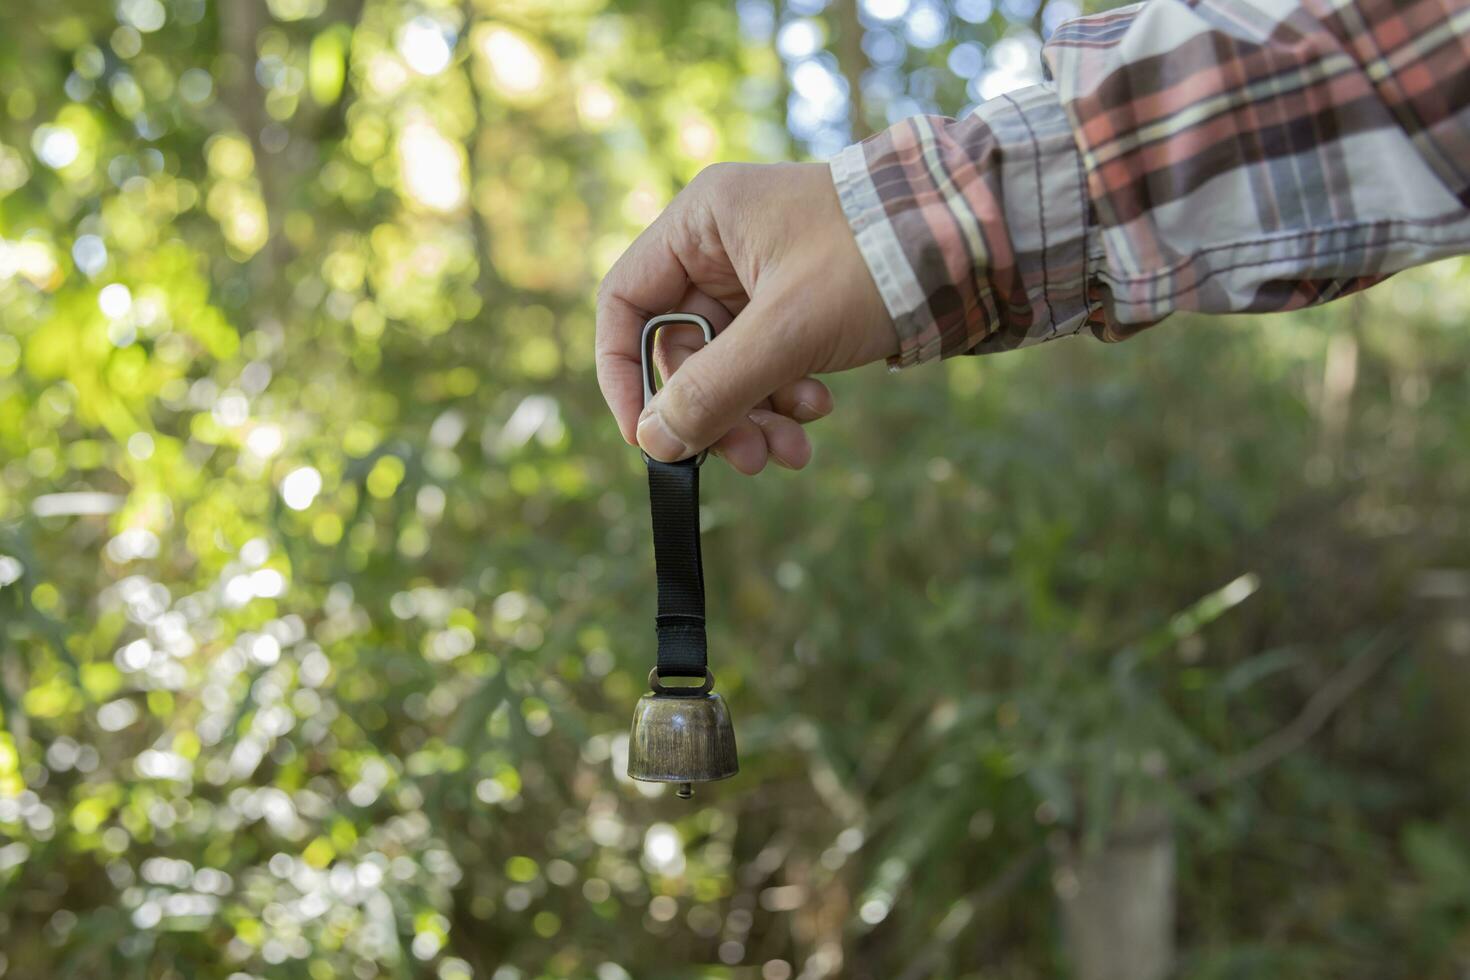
x=764 y=252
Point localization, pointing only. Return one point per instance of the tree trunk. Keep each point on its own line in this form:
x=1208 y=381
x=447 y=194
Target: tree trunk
x=1444 y=596
x=1117 y=902
x=852 y=62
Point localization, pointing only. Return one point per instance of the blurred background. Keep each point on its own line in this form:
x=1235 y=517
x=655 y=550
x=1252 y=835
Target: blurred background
x=326 y=583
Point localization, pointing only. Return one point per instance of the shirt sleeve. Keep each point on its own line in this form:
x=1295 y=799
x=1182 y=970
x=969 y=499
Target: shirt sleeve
x=1218 y=156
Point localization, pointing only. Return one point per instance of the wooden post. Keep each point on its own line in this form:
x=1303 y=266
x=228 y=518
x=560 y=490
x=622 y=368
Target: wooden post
x=1117 y=902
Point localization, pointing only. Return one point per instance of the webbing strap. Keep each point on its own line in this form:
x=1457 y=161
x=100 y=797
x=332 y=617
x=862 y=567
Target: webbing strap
x=673 y=493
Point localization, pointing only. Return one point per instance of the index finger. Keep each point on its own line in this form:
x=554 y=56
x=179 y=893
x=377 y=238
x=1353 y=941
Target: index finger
x=647 y=279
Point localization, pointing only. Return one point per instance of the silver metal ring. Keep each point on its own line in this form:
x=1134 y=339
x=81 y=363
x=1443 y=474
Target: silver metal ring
x=650 y=330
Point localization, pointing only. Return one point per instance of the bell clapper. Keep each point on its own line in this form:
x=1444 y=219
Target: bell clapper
x=685 y=791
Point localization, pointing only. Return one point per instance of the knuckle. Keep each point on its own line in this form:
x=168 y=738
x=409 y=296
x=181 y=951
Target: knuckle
x=601 y=346
x=710 y=174
x=718 y=176
x=693 y=405
x=608 y=288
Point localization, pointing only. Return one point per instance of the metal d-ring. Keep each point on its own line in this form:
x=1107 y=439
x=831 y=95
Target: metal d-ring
x=650 y=329
x=657 y=687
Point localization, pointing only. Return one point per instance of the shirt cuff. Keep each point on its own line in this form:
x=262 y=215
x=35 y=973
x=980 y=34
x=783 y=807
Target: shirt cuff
x=975 y=230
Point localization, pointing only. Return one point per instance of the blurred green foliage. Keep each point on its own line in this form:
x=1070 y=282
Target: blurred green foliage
x=326 y=586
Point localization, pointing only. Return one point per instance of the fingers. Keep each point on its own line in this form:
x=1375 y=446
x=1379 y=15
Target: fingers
x=785 y=440
x=805 y=400
x=747 y=446
x=648 y=278
x=756 y=438
x=677 y=341
x=717 y=386
x=744 y=448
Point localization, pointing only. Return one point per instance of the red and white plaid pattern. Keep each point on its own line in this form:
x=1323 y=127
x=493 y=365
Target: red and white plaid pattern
x=1216 y=155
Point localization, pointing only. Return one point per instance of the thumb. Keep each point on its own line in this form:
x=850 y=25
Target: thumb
x=720 y=383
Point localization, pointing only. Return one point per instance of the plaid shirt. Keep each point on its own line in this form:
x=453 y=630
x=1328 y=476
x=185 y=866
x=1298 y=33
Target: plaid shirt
x=1213 y=155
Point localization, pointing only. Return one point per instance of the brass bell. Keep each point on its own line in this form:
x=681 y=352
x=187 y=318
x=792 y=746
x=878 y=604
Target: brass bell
x=682 y=735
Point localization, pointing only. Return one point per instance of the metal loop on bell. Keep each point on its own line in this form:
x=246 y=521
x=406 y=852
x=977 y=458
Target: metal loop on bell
x=655 y=685
x=650 y=330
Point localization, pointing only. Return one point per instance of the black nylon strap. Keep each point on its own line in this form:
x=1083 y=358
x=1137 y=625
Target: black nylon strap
x=673 y=494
